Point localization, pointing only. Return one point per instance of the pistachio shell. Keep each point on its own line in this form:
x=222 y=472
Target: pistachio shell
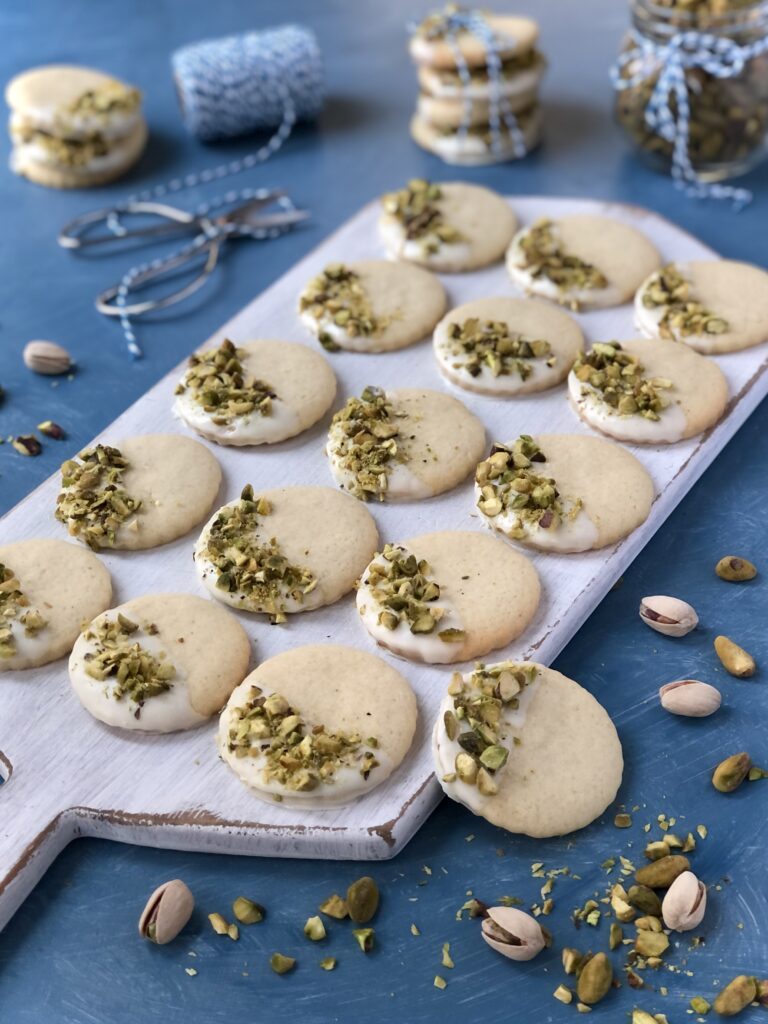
x=46 y=357
x=167 y=911
x=690 y=697
x=513 y=933
x=668 y=615
x=685 y=902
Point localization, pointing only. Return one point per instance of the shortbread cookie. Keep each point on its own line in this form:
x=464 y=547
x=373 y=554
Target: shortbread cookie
x=144 y=492
x=371 y=305
x=291 y=549
x=562 y=492
x=449 y=227
x=453 y=113
x=318 y=726
x=403 y=445
x=648 y=392
x=431 y=46
x=258 y=392
x=520 y=77
x=711 y=305
x=527 y=749
x=475 y=146
x=581 y=260
x=47 y=589
x=506 y=347
x=73 y=127
x=447 y=597
x=159 y=663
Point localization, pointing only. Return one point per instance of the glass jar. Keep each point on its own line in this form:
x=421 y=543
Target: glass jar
x=729 y=116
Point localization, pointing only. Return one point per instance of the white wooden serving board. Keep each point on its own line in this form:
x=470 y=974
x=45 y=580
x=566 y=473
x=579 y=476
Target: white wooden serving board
x=68 y=775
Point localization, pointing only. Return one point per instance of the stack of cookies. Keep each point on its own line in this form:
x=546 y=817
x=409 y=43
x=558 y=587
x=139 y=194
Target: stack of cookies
x=456 y=117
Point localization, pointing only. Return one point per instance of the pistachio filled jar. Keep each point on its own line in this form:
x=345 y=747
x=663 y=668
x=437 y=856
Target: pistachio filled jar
x=716 y=53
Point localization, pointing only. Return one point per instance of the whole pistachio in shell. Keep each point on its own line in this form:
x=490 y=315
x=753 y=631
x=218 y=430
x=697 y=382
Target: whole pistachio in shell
x=167 y=911
x=513 y=933
x=685 y=902
x=46 y=357
x=690 y=697
x=668 y=615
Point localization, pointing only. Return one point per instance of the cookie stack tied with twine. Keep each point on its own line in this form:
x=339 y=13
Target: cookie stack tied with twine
x=479 y=76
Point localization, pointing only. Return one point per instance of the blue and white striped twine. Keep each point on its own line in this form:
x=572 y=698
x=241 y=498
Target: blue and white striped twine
x=717 y=56
x=227 y=88
x=449 y=24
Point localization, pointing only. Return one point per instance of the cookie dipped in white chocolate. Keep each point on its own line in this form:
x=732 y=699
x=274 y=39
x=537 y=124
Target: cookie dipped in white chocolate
x=318 y=726
x=581 y=260
x=647 y=392
x=712 y=305
x=258 y=392
x=447 y=597
x=159 y=663
x=526 y=748
x=504 y=347
x=562 y=492
x=402 y=445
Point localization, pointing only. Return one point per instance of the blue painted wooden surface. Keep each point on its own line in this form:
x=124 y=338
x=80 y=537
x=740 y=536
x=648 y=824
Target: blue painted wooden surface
x=71 y=955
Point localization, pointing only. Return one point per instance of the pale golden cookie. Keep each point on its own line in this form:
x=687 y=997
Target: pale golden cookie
x=513 y=35
x=159 y=663
x=520 y=77
x=475 y=147
x=352 y=715
x=453 y=113
x=122 y=156
x=48 y=588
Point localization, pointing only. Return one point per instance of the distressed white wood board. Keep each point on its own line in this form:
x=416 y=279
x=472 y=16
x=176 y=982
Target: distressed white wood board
x=72 y=776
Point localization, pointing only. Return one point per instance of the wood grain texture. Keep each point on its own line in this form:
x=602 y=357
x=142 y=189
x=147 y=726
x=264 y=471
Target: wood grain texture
x=72 y=776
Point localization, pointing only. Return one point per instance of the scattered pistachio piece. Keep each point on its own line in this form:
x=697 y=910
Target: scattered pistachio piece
x=623 y=821
x=440 y=982
x=736 y=996
x=247 y=912
x=27 y=444
x=314 y=929
x=755 y=774
x=218 y=924
x=572 y=960
x=642 y=1017
x=364 y=938
x=50 y=429
x=700 y=1005
x=281 y=964
x=563 y=994
x=328 y=963
x=668 y=615
x=447 y=960
x=168 y=910
x=362 y=900
x=731 y=772
x=734 y=659
x=645 y=899
x=595 y=979
x=615 y=936
x=334 y=906
x=233 y=932
x=735 y=569
x=649 y=943
x=657 y=849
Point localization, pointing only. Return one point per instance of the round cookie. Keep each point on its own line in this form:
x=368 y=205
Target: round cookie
x=513 y=35
x=33 y=163
x=647 y=392
x=447 y=597
x=159 y=663
x=562 y=492
x=47 y=589
x=520 y=77
x=453 y=113
x=371 y=305
x=527 y=749
x=581 y=260
x=712 y=305
x=286 y=550
x=403 y=445
x=146 y=491
x=350 y=722
x=258 y=392
x=504 y=347
x=449 y=227
x=474 y=147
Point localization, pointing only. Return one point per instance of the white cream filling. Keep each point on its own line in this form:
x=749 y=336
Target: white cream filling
x=505 y=384
x=444 y=751
x=27 y=153
x=348 y=783
x=426 y=647
x=525 y=280
x=167 y=712
x=413 y=249
x=402 y=482
x=668 y=428
x=517 y=83
x=251 y=429
x=572 y=533
x=470 y=145
x=66 y=125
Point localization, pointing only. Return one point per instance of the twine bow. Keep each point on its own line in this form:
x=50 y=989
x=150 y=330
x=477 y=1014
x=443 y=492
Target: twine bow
x=717 y=56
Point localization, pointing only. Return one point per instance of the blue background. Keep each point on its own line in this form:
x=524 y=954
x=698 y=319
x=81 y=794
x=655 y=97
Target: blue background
x=71 y=954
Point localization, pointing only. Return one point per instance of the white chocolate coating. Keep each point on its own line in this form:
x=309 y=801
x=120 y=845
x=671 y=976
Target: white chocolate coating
x=251 y=429
x=576 y=533
x=667 y=429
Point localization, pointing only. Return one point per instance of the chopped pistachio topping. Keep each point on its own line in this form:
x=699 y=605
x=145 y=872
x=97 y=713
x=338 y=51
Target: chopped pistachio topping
x=365 y=441
x=543 y=256
x=14 y=608
x=415 y=208
x=252 y=565
x=69 y=152
x=617 y=378
x=401 y=585
x=217 y=381
x=477 y=344
x=92 y=502
x=117 y=655
x=296 y=756
x=683 y=315
x=337 y=295
x=509 y=484
x=476 y=722
x=111 y=98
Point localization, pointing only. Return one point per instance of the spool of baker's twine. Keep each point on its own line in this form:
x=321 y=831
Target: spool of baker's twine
x=228 y=88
